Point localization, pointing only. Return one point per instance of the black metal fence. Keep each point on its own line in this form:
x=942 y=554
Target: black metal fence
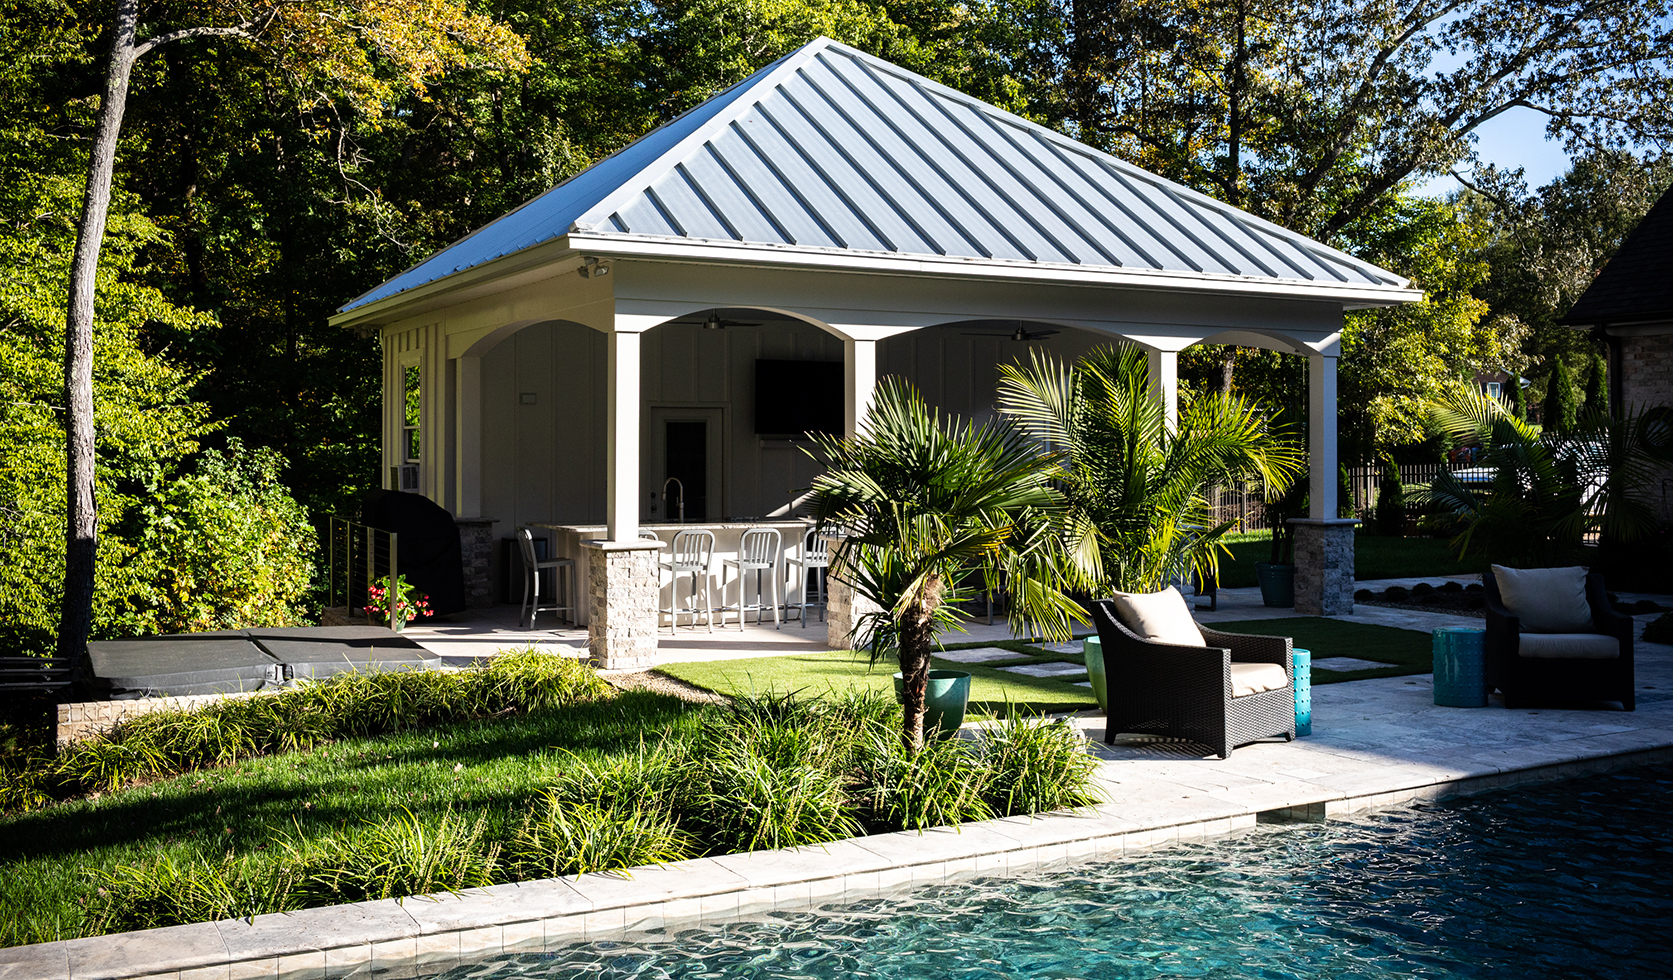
x=359 y=556
x=1244 y=502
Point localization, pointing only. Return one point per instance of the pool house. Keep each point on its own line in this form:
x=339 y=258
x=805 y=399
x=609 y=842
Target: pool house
x=641 y=348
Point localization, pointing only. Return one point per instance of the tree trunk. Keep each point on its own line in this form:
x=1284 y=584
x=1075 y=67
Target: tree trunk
x=917 y=638
x=81 y=526
x=1228 y=367
x=1236 y=83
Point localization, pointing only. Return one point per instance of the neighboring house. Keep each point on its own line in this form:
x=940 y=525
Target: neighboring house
x=683 y=309
x=1629 y=306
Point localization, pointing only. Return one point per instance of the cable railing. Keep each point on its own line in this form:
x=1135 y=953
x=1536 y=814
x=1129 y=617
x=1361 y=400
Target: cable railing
x=360 y=556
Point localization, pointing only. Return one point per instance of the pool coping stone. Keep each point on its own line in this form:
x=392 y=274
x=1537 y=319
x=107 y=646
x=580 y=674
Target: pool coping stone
x=428 y=934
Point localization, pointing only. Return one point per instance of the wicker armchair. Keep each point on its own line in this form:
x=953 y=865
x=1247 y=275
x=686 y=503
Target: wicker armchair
x=1186 y=692
x=1527 y=680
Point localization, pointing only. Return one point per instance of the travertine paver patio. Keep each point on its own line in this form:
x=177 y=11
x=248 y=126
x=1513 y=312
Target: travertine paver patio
x=1375 y=743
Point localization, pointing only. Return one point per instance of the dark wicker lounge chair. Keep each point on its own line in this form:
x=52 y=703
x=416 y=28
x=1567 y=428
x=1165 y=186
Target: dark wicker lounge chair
x=1186 y=692
x=1530 y=680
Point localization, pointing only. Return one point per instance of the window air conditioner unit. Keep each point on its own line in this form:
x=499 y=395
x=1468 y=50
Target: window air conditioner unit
x=409 y=476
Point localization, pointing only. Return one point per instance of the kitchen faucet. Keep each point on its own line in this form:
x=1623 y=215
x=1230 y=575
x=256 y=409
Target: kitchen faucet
x=675 y=481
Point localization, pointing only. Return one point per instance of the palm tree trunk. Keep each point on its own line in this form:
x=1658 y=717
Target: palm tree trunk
x=917 y=638
x=82 y=517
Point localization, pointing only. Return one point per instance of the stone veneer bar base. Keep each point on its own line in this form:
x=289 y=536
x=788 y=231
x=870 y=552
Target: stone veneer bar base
x=1324 y=566
x=431 y=934
x=625 y=583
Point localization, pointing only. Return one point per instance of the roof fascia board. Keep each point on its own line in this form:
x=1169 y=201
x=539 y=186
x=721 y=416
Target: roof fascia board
x=552 y=257
x=740 y=254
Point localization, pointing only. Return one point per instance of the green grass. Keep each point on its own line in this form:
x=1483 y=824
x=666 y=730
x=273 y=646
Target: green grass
x=1405 y=651
x=815 y=674
x=623 y=781
x=1374 y=557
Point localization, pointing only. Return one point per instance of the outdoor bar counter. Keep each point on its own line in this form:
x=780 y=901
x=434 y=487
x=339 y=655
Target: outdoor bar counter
x=567 y=538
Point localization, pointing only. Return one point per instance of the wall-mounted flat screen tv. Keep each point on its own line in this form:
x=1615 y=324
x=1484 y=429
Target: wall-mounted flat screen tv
x=792 y=397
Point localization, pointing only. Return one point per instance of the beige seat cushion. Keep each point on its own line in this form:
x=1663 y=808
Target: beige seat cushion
x=1546 y=600
x=1159 y=616
x=1569 y=646
x=1255 y=678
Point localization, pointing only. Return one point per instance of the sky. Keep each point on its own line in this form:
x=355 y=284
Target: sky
x=1515 y=138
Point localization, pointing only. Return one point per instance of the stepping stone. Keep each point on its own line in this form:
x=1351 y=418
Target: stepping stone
x=1349 y=663
x=1073 y=646
x=1046 y=670
x=978 y=655
x=1083 y=683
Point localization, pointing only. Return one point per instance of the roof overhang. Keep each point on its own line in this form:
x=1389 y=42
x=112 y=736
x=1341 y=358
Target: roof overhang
x=564 y=254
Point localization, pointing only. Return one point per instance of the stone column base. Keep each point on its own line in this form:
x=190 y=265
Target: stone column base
x=476 y=555
x=1324 y=566
x=843 y=608
x=622 y=598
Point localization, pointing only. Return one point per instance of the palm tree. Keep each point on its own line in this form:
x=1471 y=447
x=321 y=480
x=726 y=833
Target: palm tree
x=927 y=503
x=1549 y=489
x=1139 y=483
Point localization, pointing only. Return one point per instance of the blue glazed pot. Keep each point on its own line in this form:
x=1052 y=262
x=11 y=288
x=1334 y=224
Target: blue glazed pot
x=1460 y=657
x=945 y=698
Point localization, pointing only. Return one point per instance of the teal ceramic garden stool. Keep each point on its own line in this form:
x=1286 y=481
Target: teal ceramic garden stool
x=1303 y=664
x=1460 y=667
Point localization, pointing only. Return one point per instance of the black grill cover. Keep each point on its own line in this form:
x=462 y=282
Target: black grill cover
x=428 y=551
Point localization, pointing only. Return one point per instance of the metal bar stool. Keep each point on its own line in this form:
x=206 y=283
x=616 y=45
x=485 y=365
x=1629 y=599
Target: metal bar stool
x=563 y=587
x=815 y=558
x=758 y=553
x=691 y=553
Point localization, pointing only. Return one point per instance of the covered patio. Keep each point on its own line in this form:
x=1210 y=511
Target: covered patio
x=669 y=306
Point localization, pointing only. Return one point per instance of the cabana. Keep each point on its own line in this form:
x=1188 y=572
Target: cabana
x=683 y=309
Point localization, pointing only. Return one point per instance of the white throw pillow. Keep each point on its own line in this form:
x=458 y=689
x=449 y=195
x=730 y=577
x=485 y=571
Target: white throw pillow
x=1159 y=616
x=1546 y=600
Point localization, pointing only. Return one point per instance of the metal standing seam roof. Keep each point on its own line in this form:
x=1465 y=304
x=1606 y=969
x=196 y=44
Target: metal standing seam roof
x=831 y=148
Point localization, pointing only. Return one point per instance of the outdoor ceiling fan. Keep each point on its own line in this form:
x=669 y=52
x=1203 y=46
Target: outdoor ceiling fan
x=1021 y=334
x=715 y=321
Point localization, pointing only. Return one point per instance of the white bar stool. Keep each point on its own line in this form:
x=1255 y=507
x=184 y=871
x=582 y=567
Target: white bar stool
x=815 y=557
x=691 y=552
x=758 y=552
x=563 y=587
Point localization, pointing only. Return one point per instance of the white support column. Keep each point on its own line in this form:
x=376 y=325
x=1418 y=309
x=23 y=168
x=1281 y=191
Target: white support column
x=1321 y=437
x=859 y=369
x=621 y=489
x=1164 y=384
x=468 y=426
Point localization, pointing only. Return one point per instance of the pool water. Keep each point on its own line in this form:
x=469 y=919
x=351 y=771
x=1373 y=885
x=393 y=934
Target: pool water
x=1569 y=880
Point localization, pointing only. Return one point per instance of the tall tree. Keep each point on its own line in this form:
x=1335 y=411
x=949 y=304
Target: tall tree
x=1597 y=384
x=1313 y=112
x=362 y=51
x=1561 y=408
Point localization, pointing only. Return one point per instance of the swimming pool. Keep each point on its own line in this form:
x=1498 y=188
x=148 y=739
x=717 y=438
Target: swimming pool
x=1571 y=880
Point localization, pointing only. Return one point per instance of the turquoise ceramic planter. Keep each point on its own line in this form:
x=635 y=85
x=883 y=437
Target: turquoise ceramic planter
x=1094 y=648
x=1460 y=657
x=1302 y=660
x=946 y=696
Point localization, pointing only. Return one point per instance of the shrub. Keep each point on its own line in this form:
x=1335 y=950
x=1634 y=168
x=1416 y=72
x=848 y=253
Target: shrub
x=1659 y=630
x=396 y=857
x=347 y=705
x=942 y=784
x=1036 y=765
x=560 y=837
x=167 y=892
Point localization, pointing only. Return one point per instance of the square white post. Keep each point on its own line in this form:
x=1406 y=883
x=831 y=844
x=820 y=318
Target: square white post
x=1164 y=384
x=859 y=370
x=1321 y=437
x=1324 y=545
x=467 y=412
x=621 y=489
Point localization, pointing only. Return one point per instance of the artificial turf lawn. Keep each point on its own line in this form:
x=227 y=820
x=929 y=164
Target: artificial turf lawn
x=813 y=674
x=1374 y=557
x=1405 y=651
x=491 y=767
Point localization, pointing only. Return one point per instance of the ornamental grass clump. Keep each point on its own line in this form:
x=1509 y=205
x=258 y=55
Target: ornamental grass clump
x=348 y=705
x=1035 y=765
